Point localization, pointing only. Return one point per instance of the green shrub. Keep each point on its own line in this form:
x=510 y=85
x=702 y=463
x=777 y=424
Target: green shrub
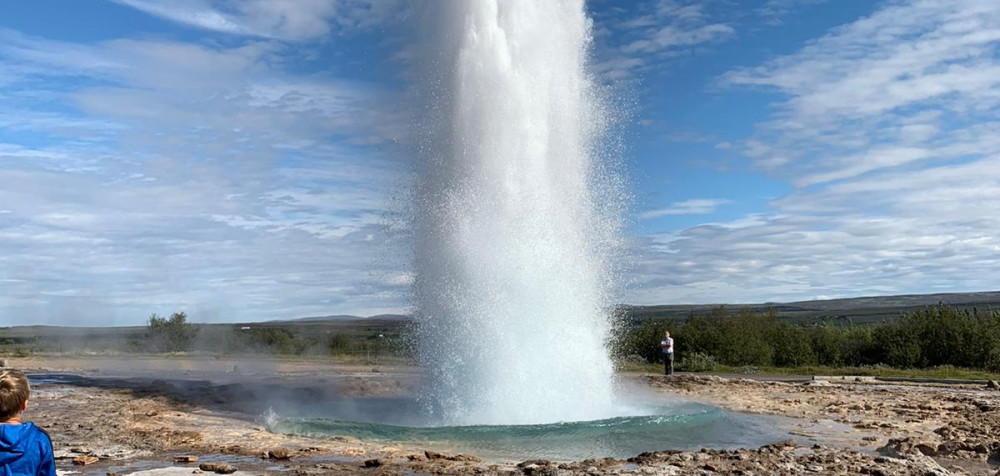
x=171 y=334
x=748 y=370
x=697 y=362
x=929 y=337
x=642 y=340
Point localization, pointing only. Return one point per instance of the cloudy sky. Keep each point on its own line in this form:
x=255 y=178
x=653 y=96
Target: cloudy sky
x=245 y=160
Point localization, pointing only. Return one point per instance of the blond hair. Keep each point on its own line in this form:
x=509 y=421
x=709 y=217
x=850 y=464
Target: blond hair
x=14 y=390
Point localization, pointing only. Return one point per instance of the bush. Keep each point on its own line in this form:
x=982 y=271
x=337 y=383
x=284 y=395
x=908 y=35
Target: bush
x=171 y=334
x=697 y=362
x=930 y=337
x=643 y=340
x=748 y=370
x=793 y=346
x=277 y=341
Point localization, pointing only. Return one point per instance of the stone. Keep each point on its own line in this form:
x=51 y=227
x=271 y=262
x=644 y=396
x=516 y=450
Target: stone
x=116 y=452
x=929 y=449
x=85 y=460
x=537 y=467
x=186 y=459
x=373 y=463
x=899 y=447
x=993 y=384
x=927 y=464
x=279 y=454
x=784 y=445
x=435 y=455
x=219 y=468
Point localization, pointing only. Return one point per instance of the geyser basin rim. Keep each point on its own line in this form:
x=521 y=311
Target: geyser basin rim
x=696 y=427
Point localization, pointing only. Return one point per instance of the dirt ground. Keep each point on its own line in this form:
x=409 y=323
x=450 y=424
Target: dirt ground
x=840 y=427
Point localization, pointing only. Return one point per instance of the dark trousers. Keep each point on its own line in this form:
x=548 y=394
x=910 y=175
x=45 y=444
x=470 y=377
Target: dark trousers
x=668 y=363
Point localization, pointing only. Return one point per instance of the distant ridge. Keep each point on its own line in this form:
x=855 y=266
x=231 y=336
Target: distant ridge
x=894 y=301
x=875 y=305
x=856 y=310
x=905 y=300
x=347 y=317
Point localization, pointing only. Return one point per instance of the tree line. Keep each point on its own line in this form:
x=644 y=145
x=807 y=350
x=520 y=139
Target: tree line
x=176 y=334
x=929 y=337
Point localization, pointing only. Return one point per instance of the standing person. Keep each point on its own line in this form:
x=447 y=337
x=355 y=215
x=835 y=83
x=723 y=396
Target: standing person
x=667 y=347
x=25 y=449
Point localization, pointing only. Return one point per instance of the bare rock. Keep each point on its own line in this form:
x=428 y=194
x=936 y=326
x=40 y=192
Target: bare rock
x=432 y=455
x=279 y=454
x=186 y=459
x=784 y=445
x=539 y=462
x=927 y=465
x=219 y=468
x=902 y=447
x=85 y=460
x=537 y=467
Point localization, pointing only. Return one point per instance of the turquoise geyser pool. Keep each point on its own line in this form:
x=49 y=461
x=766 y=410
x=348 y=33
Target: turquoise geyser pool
x=679 y=426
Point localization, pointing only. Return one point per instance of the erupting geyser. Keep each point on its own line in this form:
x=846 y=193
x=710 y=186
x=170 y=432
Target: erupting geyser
x=515 y=218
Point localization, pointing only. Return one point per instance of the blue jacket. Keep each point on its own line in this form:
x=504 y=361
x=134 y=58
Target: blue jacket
x=25 y=450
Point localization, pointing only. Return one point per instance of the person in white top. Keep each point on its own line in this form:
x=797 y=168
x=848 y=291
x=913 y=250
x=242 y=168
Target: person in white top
x=667 y=347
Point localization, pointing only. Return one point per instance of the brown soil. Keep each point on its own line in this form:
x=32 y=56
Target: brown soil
x=858 y=428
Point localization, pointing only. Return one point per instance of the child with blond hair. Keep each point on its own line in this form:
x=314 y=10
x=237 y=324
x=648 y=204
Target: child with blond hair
x=25 y=449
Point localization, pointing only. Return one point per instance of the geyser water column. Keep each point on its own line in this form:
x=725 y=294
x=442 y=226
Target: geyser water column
x=515 y=218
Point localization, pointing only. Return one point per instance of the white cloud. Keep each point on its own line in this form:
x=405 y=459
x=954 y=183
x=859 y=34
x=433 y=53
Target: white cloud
x=774 y=11
x=157 y=176
x=672 y=36
x=888 y=128
x=655 y=30
x=294 y=20
x=687 y=207
x=889 y=90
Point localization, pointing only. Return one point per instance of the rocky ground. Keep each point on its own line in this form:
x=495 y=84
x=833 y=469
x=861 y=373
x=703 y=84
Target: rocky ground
x=838 y=427
x=884 y=429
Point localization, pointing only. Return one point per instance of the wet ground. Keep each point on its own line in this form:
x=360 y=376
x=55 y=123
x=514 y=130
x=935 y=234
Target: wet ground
x=139 y=416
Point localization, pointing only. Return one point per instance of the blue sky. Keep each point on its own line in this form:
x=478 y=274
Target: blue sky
x=248 y=160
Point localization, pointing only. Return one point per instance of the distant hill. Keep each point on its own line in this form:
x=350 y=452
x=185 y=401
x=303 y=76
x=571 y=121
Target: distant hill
x=347 y=317
x=855 y=310
x=858 y=310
